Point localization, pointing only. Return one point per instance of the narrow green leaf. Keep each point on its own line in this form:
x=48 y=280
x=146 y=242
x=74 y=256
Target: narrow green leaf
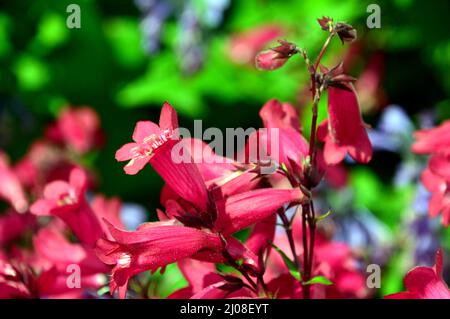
x=324 y=215
x=289 y=263
x=318 y=280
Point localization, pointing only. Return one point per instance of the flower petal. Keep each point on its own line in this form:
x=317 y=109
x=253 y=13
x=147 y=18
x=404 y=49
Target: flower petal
x=125 y=153
x=168 y=119
x=144 y=129
x=240 y=211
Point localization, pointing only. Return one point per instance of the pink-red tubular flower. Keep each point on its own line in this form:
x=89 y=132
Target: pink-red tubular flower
x=283 y=116
x=424 y=283
x=434 y=140
x=344 y=131
x=78 y=128
x=275 y=58
x=148 y=137
x=243 y=210
x=10 y=187
x=151 y=246
x=245 y=46
x=66 y=200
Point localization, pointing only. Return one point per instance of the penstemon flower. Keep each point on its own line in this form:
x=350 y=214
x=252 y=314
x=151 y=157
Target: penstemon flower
x=67 y=201
x=148 y=138
x=199 y=218
x=436 y=177
x=424 y=283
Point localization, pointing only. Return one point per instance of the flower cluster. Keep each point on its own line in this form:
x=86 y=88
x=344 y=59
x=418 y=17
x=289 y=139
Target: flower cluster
x=436 y=177
x=233 y=229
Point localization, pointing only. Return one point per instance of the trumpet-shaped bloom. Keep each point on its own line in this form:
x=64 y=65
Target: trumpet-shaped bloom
x=245 y=46
x=11 y=188
x=424 y=283
x=344 y=131
x=66 y=200
x=433 y=140
x=151 y=246
x=78 y=128
x=148 y=138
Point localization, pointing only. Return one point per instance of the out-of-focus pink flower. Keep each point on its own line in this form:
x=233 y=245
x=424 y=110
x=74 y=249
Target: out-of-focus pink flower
x=107 y=209
x=78 y=128
x=57 y=255
x=148 y=138
x=436 y=177
x=39 y=165
x=433 y=141
x=438 y=185
x=13 y=224
x=16 y=280
x=368 y=85
x=424 y=283
x=246 y=45
x=336 y=175
x=67 y=201
x=344 y=131
x=10 y=187
x=151 y=246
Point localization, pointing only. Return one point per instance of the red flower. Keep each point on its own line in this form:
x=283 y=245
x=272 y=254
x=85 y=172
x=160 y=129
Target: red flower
x=436 y=177
x=78 y=128
x=66 y=200
x=10 y=187
x=332 y=259
x=275 y=58
x=424 y=283
x=151 y=246
x=107 y=209
x=434 y=140
x=282 y=123
x=245 y=46
x=13 y=224
x=16 y=280
x=148 y=137
x=344 y=130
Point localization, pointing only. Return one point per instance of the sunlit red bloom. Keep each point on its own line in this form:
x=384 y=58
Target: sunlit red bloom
x=67 y=201
x=151 y=246
x=78 y=128
x=282 y=140
x=344 y=131
x=148 y=137
x=424 y=283
x=246 y=45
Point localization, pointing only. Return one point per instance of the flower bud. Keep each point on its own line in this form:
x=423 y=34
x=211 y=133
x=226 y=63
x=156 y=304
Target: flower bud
x=275 y=58
x=345 y=32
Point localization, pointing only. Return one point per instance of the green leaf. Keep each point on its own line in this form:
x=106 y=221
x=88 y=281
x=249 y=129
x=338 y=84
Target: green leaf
x=289 y=263
x=328 y=213
x=318 y=280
